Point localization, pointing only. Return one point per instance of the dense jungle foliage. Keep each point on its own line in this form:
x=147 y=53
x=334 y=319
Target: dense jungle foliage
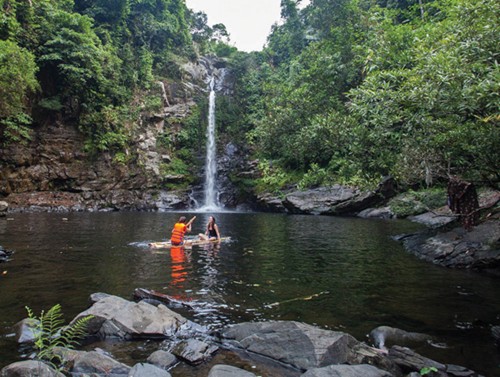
x=349 y=91
x=93 y=63
x=346 y=91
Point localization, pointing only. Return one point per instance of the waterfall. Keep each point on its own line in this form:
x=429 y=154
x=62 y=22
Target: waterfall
x=211 y=200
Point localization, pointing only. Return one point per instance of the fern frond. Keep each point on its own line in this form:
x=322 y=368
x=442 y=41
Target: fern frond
x=77 y=331
x=51 y=333
x=53 y=320
x=31 y=315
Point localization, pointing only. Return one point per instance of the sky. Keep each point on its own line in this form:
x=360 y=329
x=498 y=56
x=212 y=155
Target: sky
x=248 y=22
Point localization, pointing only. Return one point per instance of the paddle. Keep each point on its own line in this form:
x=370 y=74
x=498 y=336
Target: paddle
x=191 y=221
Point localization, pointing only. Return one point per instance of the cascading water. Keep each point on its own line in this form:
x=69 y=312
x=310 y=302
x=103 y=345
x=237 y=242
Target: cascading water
x=211 y=200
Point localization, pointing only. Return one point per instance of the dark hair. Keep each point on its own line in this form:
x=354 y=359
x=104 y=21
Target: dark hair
x=182 y=219
x=213 y=218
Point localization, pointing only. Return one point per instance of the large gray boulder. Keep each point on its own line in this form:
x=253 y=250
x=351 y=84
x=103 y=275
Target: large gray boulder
x=147 y=370
x=376 y=213
x=221 y=370
x=27 y=330
x=319 y=201
x=337 y=199
x=116 y=317
x=386 y=336
x=82 y=363
x=162 y=359
x=29 y=368
x=458 y=248
x=194 y=351
x=436 y=218
x=297 y=344
x=363 y=370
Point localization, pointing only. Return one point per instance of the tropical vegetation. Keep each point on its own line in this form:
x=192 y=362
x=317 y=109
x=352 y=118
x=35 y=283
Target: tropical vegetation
x=346 y=91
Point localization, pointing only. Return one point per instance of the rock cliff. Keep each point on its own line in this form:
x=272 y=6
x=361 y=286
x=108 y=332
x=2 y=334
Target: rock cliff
x=54 y=171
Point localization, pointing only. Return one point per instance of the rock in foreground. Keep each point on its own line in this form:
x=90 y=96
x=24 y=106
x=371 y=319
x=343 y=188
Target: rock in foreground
x=116 y=317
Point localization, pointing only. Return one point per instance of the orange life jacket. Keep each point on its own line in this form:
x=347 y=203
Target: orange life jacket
x=178 y=233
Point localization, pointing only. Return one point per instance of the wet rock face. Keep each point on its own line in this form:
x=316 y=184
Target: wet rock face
x=54 y=173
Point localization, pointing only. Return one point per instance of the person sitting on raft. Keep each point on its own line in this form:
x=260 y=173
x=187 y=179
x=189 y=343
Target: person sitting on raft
x=180 y=229
x=212 y=231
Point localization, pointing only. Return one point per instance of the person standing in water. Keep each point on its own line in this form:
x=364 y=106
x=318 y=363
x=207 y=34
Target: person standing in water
x=212 y=232
x=179 y=230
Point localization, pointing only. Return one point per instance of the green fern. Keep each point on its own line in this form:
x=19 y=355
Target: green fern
x=50 y=333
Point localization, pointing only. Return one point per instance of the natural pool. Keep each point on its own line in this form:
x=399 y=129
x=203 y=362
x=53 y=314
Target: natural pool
x=343 y=274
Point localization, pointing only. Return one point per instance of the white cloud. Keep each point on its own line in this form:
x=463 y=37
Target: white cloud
x=247 y=21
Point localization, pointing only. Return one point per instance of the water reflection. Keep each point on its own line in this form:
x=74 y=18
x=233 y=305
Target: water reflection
x=179 y=270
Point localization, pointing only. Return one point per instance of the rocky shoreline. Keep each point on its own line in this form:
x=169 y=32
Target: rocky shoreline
x=448 y=244
x=273 y=348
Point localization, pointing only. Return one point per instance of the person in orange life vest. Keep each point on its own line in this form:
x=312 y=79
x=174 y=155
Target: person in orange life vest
x=212 y=231
x=180 y=229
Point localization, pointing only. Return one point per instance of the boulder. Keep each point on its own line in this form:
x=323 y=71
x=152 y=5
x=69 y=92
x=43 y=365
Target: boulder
x=319 y=201
x=162 y=359
x=296 y=344
x=385 y=336
x=82 y=363
x=26 y=330
x=376 y=213
x=410 y=361
x=364 y=354
x=116 y=317
x=458 y=248
x=436 y=218
x=147 y=370
x=337 y=199
x=221 y=370
x=270 y=203
x=194 y=351
x=363 y=370
x=29 y=368
x=94 y=297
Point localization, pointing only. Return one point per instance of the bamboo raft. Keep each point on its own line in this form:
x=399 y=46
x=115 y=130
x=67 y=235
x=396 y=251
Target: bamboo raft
x=187 y=243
